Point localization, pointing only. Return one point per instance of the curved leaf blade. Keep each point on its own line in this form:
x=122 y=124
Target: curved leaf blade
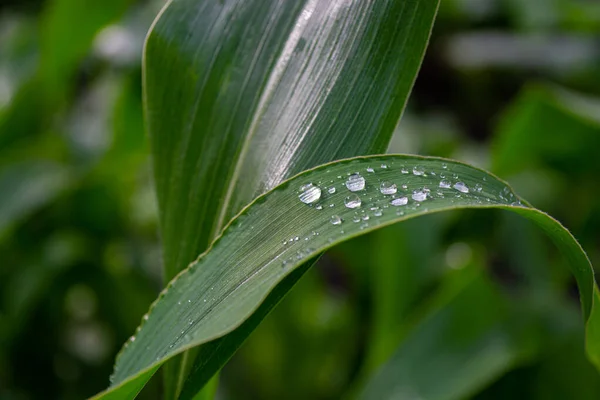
x=278 y=233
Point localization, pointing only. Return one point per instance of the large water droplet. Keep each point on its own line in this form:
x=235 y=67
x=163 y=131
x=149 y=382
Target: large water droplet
x=418 y=170
x=352 y=201
x=461 y=187
x=445 y=184
x=400 y=201
x=336 y=220
x=388 y=187
x=309 y=193
x=419 y=195
x=355 y=183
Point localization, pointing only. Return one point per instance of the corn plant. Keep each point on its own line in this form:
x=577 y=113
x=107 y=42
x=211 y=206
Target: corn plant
x=268 y=123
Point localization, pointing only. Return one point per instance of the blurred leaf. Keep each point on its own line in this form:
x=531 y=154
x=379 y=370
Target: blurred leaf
x=69 y=27
x=532 y=133
x=240 y=95
x=277 y=233
x=27 y=186
x=462 y=346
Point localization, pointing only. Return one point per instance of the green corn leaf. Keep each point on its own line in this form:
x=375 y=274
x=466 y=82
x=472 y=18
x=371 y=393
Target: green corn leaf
x=242 y=94
x=279 y=232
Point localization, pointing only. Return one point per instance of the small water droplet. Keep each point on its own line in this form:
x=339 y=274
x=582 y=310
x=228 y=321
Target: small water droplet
x=145 y=317
x=419 y=195
x=331 y=190
x=461 y=187
x=444 y=166
x=388 y=187
x=405 y=186
x=355 y=183
x=319 y=207
x=365 y=217
x=445 y=184
x=364 y=225
x=356 y=218
x=384 y=166
x=400 y=201
x=378 y=213
x=418 y=170
x=352 y=201
x=371 y=170
x=336 y=220
x=309 y=193
x=404 y=171
x=478 y=188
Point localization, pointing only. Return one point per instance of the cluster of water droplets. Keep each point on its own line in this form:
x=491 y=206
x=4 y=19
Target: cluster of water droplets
x=372 y=193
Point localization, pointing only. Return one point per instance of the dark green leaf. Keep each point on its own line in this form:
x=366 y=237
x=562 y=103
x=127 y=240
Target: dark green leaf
x=278 y=233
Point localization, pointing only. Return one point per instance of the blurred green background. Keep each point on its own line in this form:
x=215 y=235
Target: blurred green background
x=512 y=86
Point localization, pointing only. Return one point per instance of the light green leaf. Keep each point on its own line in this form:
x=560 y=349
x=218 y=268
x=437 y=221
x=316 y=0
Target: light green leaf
x=278 y=232
x=240 y=95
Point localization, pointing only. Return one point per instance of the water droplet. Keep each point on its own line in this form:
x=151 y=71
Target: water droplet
x=378 y=213
x=388 y=187
x=384 y=166
x=364 y=225
x=319 y=207
x=331 y=190
x=336 y=220
x=400 y=201
x=404 y=171
x=418 y=170
x=309 y=193
x=478 y=188
x=461 y=187
x=419 y=195
x=404 y=186
x=371 y=170
x=444 y=166
x=352 y=201
x=365 y=217
x=445 y=184
x=145 y=317
x=355 y=183
x=356 y=218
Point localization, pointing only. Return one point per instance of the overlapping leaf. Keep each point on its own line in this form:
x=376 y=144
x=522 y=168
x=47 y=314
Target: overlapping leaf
x=278 y=233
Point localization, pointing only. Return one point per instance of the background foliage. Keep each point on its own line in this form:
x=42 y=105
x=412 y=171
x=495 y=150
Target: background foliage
x=507 y=85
